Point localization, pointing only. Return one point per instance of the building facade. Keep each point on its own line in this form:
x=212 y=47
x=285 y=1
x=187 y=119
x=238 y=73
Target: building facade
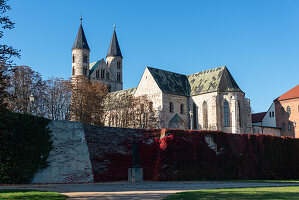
x=207 y=100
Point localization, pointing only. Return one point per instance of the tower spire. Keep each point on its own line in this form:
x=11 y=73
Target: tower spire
x=114 y=49
x=80 y=42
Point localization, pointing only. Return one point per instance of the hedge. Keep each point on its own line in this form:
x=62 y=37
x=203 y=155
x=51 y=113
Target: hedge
x=24 y=146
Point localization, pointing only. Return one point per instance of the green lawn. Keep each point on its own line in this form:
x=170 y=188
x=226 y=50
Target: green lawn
x=239 y=193
x=262 y=181
x=30 y=195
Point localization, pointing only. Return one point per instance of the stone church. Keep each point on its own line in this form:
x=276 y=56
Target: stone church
x=207 y=100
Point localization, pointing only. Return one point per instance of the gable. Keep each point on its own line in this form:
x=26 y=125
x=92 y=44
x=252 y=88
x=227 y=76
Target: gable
x=100 y=64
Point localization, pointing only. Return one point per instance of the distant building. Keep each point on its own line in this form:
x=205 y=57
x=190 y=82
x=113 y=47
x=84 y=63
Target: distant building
x=287 y=112
x=281 y=118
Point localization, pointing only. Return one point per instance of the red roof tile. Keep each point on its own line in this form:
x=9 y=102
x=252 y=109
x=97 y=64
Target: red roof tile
x=258 y=117
x=292 y=93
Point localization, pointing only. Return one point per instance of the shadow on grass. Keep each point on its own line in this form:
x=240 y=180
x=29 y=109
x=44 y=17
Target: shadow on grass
x=30 y=194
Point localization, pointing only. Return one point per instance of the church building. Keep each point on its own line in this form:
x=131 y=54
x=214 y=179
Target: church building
x=207 y=100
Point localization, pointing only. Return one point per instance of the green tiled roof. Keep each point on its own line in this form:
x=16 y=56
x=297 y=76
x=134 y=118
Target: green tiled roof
x=117 y=94
x=94 y=65
x=170 y=82
x=213 y=80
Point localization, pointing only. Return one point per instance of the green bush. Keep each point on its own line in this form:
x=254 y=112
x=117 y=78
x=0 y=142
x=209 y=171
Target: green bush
x=24 y=146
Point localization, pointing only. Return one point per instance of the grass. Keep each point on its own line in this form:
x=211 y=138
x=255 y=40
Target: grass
x=239 y=193
x=261 y=181
x=30 y=195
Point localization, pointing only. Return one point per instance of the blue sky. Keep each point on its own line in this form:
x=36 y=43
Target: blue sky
x=258 y=40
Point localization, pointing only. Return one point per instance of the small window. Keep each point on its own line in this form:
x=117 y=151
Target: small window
x=283 y=127
x=102 y=73
x=84 y=58
x=273 y=115
x=290 y=126
x=73 y=71
x=108 y=63
x=118 y=65
x=289 y=110
x=171 y=107
x=109 y=88
x=73 y=58
x=182 y=109
x=270 y=113
x=107 y=75
x=97 y=74
x=226 y=114
x=282 y=111
x=118 y=76
x=85 y=71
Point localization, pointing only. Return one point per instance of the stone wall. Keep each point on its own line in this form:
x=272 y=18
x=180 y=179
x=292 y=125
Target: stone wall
x=69 y=161
x=266 y=130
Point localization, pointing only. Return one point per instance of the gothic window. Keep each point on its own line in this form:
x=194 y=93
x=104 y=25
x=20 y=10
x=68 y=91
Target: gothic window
x=84 y=58
x=118 y=65
x=290 y=124
x=282 y=111
x=118 y=76
x=97 y=74
x=182 y=109
x=194 y=116
x=171 y=107
x=107 y=75
x=73 y=58
x=289 y=110
x=283 y=127
x=102 y=73
x=226 y=114
x=73 y=71
x=205 y=115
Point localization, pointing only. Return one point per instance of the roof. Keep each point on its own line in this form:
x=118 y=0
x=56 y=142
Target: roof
x=213 y=80
x=94 y=65
x=121 y=92
x=291 y=94
x=114 y=49
x=258 y=117
x=80 y=42
x=176 y=119
x=170 y=82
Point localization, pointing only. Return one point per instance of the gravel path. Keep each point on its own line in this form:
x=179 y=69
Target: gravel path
x=126 y=191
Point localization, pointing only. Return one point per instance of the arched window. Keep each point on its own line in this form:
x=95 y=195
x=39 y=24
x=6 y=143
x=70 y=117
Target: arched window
x=118 y=65
x=97 y=74
x=171 y=107
x=282 y=111
x=226 y=114
x=107 y=75
x=84 y=58
x=290 y=126
x=289 y=110
x=194 y=116
x=205 y=115
x=283 y=127
x=85 y=71
x=182 y=109
x=73 y=58
x=73 y=71
x=102 y=73
x=118 y=76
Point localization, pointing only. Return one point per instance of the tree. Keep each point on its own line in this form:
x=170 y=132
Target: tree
x=6 y=52
x=87 y=101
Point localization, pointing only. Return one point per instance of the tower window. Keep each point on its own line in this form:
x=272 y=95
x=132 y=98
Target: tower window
x=85 y=71
x=118 y=76
x=97 y=74
x=73 y=58
x=226 y=114
x=290 y=124
x=108 y=63
x=118 y=65
x=205 y=115
x=282 y=111
x=84 y=58
x=73 y=71
x=171 y=107
x=102 y=73
x=182 y=109
x=107 y=75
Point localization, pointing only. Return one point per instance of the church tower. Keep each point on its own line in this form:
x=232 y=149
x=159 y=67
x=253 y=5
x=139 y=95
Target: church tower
x=114 y=60
x=80 y=55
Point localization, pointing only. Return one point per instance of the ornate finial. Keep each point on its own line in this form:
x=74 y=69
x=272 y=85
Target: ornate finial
x=81 y=18
x=114 y=27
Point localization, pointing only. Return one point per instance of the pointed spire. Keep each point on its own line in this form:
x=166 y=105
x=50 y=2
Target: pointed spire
x=114 y=49
x=80 y=42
